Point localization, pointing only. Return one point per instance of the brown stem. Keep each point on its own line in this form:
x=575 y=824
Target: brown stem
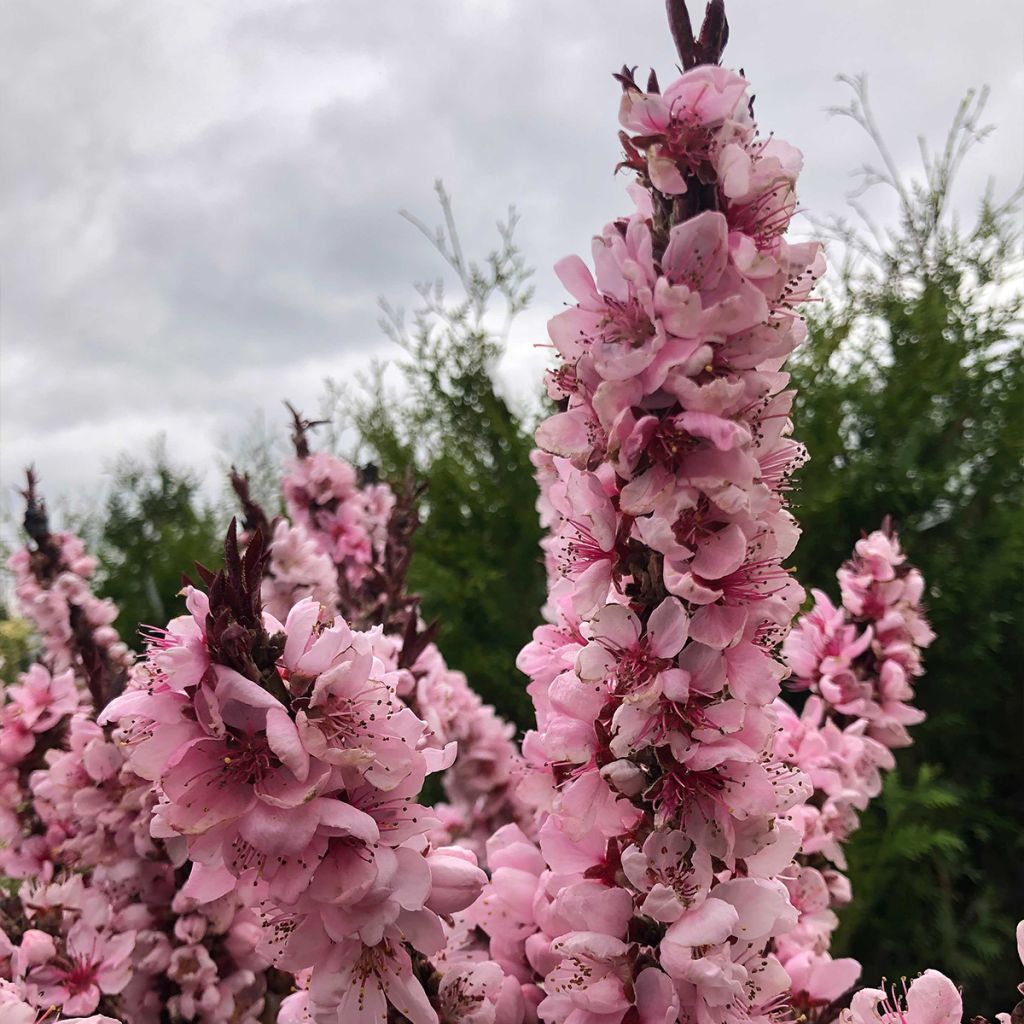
x=682 y=32
x=300 y=425
x=254 y=518
x=714 y=33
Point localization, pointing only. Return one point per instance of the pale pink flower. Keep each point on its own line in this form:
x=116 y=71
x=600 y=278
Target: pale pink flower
x=358 y=983
x=96 y=964
x=930 y=999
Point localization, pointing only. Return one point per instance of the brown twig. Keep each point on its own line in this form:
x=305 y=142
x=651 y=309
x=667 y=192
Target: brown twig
x=254 y=518
x=300 y=426
x=714 y=33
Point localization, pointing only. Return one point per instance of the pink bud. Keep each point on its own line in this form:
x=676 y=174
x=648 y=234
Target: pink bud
x=623 y=775
x=456 y=880
x=36 y=948
x=190 y=929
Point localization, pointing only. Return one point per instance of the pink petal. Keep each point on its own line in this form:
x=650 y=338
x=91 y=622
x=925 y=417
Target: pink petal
x=829 y=979
x=723 y=433
x=576 y=277
x=708 y=924
x=617 y=625
x=233 y=686
x=405 y=993
x=698 y=250
x=279 y=832
x=753 y=675
x=934 y=999
x=667 y=628
x=283 y=738
x=565 y=434
x=206 y=884
x=721 y=553
x=342 y=819
x=298 y=628
x=656 y=999
x=718 y=626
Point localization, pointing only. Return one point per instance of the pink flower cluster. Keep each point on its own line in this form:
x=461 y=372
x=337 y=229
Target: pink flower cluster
x=16 y=1011
x=97 y=920
x=347 y=522
x=36 y=705
x=856 y=660
x=481 y=784
x=81 y=948
x=53 y=590
x=297 y=569
x=861 y=657
x=286 y=760
x=655 y=889
x=929 y=999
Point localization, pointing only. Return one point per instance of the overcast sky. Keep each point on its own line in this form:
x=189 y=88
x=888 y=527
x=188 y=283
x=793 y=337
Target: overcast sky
x=199 y=199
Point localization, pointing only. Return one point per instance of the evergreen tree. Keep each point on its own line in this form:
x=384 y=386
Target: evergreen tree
x=477 y=562
x=911 y=402
x=155 y=526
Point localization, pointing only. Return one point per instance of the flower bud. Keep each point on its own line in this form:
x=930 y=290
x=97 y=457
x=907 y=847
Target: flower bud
x=623 y=775
x=456 y=880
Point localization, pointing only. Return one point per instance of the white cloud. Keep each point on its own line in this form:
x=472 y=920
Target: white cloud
x=199 y=200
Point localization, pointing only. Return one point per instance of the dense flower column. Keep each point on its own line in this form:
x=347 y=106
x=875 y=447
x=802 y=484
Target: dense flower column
x=53 y=591
x=857 y=661
x=667 y=471
x=345 y=514
x=354 y=520
x=83 y=659
x=96 y=921
x=290 y=767
x=862 y=657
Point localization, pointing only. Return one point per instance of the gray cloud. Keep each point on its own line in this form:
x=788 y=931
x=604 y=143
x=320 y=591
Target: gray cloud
x=199 y=200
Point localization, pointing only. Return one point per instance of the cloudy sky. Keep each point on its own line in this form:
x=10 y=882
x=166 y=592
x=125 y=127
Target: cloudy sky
x=199 y=199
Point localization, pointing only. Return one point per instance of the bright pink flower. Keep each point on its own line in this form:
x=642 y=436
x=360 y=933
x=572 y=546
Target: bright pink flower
x=588 y=985
x=819 y=977
x=637 y=667
x=671 y=871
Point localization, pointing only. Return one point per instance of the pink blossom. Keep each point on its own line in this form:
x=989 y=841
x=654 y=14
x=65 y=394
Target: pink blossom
x=455 y=879
x=359 y=982
x=931 y=999
x=96 y=964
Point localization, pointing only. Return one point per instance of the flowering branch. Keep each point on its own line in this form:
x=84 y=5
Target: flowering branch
x=52 y=588
x=368 y=530
x=656 y=886
x=91 y=918
x=856 y=661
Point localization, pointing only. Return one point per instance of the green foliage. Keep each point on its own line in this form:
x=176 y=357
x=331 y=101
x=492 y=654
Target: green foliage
x=155 y=527
x=911 y=402
x=15 y=646
x=910 y=864
x=477 y=562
